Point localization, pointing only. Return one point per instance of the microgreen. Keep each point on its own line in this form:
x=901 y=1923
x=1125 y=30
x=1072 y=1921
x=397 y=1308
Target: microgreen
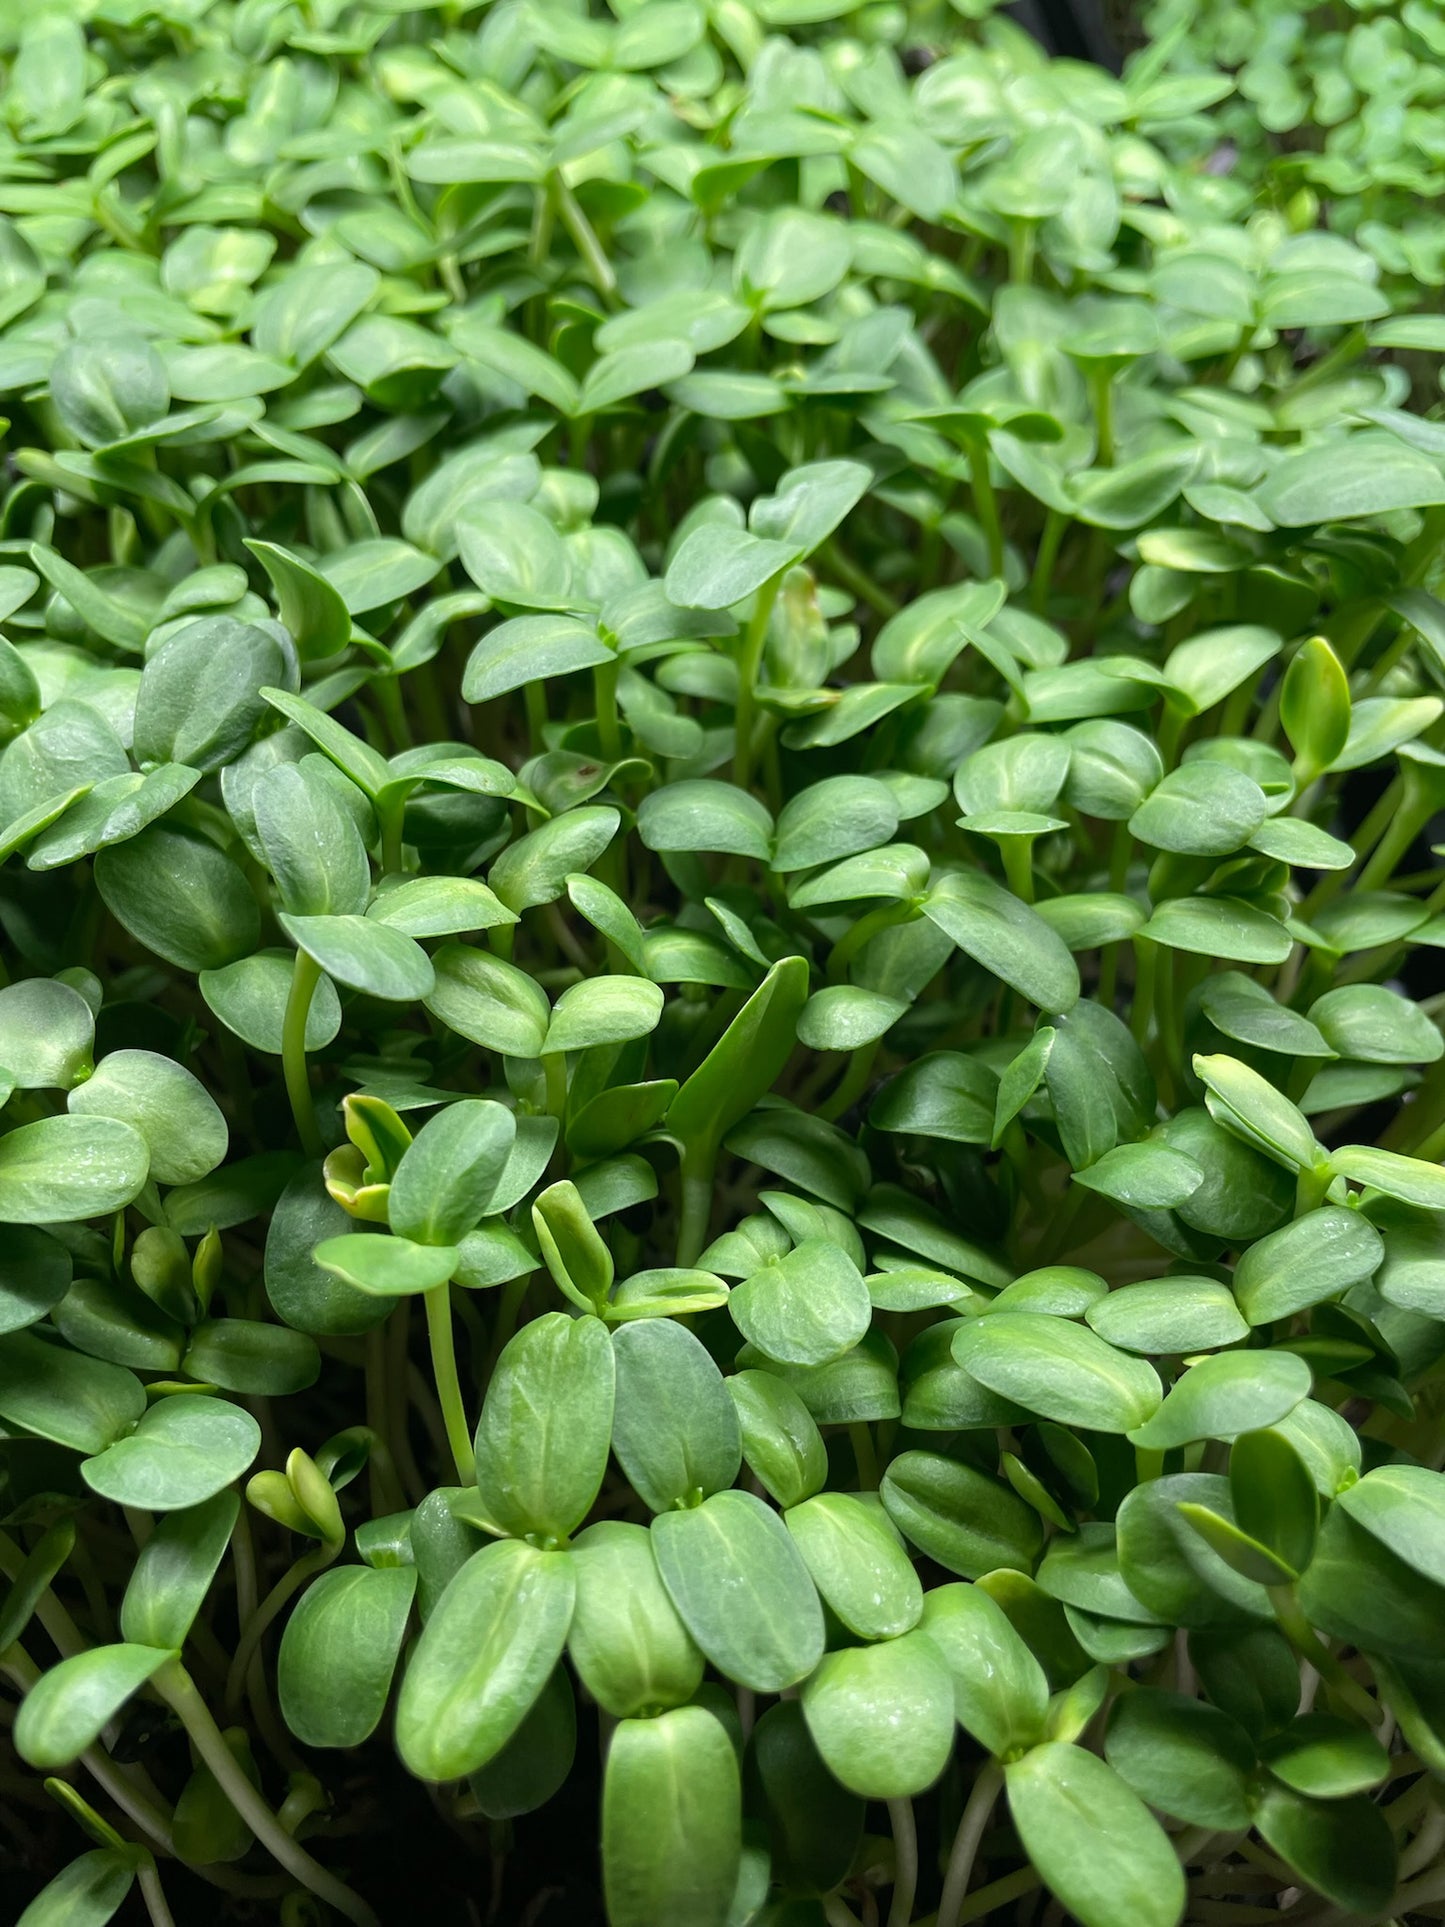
x=751 y=696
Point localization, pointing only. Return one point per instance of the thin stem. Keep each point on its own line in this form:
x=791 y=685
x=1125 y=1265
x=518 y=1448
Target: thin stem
x=539 y=241
x=1312 y=1188
x=154 y=1895
x=867 y=1459
x=255 y=1627
x=999 y=1893
x=1288 y=1612
x=63 y=1632
x=750 y=662
x=1146 y=970
x=584 y=239
x=442 y=1340
x=747 y=1704
x=1056 y=1241
x=1394 y=845
x=858 y=580
x=837 y=1912
x=604 y=686
x=111 y=1779
x=392 y=817
x=534 y=695
x=1021 y=253
x=554 y=1071
x=386 y=1492
x=851 y=1084
x=1424 y=1849
x=698 y=1164
x=1018 y=865
x=985 y=502
x=979 y=1806
x=1171 y=728
x=393 y=710
x=305 y=975
x=1055 y=525
x=1101 y=391
x=178 y=1690
x=512 y=1295
x=905 y=1857
x=1363 y=841
x=1432 y=1148
x=866 y=928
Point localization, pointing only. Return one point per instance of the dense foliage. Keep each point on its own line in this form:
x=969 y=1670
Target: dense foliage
x=1343 y=104
x=750 y=695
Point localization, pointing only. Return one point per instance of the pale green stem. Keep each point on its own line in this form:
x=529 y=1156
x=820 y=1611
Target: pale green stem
x=1363 y=841
x=1056 y=1241
x=442 y=1340
x=750 y=663
x=1055 y=526
x=154 y=1895
x=858 y=580
x=998 y=1893
x=866 y=928
x=985 y=502
x=867 y=1459
x=980 y=1804
x=852 y=1083
x=699 y=1161
x=1432 y=1149
x=1146 y=971
x=1021 y=252
x=64 y=1634
x=1311 y=1189
x=1288 y=1612
x=540 y=240
x=255 y=1627
x=388 y=696
x=534 y=695
x=1018 y=865
x=604 y=685
x=1171 y=728
x=1390 y=851
x=1424 y=1849
x=1101 y=391
x=1190 y=1846
x=178 y=1690
x=554 y=1071
x=392 y=818
x=305 y=975
x=513 y=1295
x=584 y=239
x=905 y=1857
x=385 y=1487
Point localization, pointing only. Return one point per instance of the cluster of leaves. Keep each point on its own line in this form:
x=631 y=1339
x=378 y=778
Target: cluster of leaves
x=750 y=694
x=1344 y=105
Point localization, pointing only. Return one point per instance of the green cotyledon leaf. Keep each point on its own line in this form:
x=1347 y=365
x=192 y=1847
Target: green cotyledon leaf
x=542 y=1440
x=743 y=1064
x=742 y=1589
x=67 y=1707
x=339 y=1651
x=1099 y=1849
x=486 y=1651
x=671 y=1820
